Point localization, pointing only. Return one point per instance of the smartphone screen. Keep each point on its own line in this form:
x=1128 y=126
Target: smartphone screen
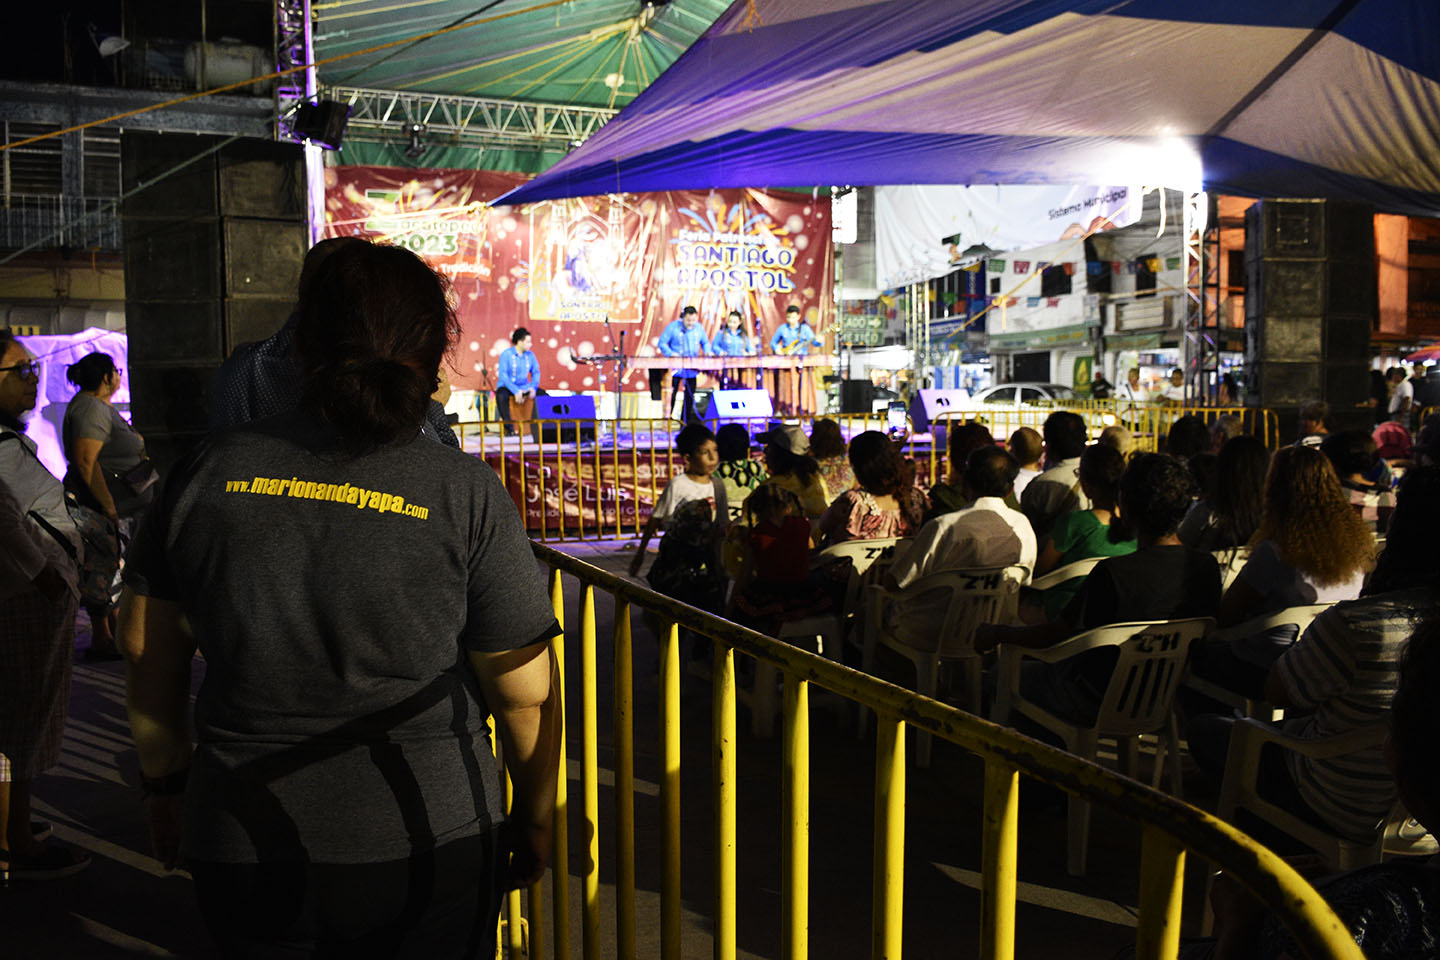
x=895 y=416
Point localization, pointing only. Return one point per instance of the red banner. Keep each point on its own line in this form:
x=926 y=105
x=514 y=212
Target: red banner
x=561 y=268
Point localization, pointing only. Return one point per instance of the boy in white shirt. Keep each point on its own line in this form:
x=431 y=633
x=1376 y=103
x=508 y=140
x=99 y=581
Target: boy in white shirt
x=694 y=512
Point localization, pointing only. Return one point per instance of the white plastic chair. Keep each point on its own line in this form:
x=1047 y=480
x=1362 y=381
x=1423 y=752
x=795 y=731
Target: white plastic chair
x=1139 y=699
x=1299 y=617
x=1070 y=571
x=973 y=597
x=1242 y=768
x=824 y=633
x=1398 y=834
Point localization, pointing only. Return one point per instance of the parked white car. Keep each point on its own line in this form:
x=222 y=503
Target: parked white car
x=1013 y=395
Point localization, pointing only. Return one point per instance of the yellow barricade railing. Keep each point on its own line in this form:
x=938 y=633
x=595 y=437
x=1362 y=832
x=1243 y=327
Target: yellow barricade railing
x=585 y=479
x=1169 y=827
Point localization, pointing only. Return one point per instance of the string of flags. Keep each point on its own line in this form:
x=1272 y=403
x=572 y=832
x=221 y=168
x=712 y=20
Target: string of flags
x=1093 y=268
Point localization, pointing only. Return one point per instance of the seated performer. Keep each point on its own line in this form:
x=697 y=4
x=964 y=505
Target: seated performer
x=519 y=373
x=684 y=338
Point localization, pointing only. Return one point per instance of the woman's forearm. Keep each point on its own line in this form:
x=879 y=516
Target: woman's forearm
x=157 y=651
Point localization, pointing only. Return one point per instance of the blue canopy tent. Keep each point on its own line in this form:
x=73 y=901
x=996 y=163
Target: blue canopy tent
x=1337 y=98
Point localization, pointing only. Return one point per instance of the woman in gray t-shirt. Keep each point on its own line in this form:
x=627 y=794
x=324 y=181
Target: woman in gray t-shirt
x=101 y=449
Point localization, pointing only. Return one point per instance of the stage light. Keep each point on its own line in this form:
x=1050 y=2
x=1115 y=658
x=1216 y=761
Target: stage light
x=417 y=146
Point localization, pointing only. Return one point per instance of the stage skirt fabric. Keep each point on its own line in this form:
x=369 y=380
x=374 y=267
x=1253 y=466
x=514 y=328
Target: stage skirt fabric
x=37 y=645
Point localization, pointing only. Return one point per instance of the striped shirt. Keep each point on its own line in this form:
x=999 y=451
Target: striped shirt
x=1345 y=667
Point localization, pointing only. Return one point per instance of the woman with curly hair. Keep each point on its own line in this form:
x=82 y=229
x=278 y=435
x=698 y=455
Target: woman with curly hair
x=1311 y=547
x=883 y=503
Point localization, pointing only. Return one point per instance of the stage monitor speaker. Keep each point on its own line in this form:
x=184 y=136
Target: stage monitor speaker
x=555 y=416
x=856 y=396
x=932 y=402
x=729 y=405
x=322 y=123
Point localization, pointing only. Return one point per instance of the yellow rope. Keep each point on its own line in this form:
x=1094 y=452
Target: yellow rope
x=569 y=44
x=615 y=90
x=603 y=66
x=375 y=10
x=547 y=75
x=279 y=73
x=491 y=62
x=329 y=18
x=752 y=17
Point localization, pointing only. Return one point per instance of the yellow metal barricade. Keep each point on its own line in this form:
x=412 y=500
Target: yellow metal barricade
x=1169 y=827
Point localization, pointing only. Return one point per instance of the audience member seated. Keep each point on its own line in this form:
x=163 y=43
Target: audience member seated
x=988 y=533
x=1310 y=548
x=1391 y=909
x=775 y=582
x=1226 y=427
x=1082 y=534
x=738 y=471
x=1365 y=477
x=787 y=457
x=1057 y=490
x=1230 y=512
x=1188 y=436
x=1392 y=441
x=1314 y=423
x=1162 y=580
x=1028 y=449
x=884 y=501
x=1120 y=438
x=1340 y=676
x=827 y=446
x=962 y=440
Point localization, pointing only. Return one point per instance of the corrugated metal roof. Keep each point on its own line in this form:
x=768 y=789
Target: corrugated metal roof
x=584 y=52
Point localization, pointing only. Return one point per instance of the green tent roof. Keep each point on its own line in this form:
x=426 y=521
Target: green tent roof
x=597 y=53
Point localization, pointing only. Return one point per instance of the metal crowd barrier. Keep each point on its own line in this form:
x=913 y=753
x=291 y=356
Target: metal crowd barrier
x=587 y=479
x=1170 y=828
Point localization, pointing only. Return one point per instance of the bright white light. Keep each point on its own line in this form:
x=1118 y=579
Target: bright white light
x=1168 y=162
x=845 y=217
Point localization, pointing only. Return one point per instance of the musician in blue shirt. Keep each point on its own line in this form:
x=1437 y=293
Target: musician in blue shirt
x=519 y=373
x=684 y=338
x=731 y=340
x=795 y=337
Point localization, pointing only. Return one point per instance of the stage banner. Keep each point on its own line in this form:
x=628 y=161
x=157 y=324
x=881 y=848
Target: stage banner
x=924 y=232
x=577 y=273
x=621 y=494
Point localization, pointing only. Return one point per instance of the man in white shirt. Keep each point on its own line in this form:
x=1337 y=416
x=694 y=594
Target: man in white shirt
x=1174 y=392
x=985 y=534
x=1057 y=490
x=1401 y=397
x=1131 y=391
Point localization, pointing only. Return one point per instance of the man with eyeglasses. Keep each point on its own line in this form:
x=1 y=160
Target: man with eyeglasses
x=39 y=551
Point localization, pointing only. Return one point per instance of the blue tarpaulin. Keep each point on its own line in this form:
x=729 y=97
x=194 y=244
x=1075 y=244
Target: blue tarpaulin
x=1281 y=98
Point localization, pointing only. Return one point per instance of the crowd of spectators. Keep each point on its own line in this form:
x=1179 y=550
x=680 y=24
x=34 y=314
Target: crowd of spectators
x=344 y=396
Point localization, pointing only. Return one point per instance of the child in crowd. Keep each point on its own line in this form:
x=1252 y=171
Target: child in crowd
x=775 y=583
x=694 y=513
x=737 y=471
x=1027 y=447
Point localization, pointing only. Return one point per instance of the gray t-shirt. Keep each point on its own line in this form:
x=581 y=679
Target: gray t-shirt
x=334 y=600
x=90 y=418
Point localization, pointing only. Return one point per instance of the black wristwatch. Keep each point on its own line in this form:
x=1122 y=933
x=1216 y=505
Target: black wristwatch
x=167 y=786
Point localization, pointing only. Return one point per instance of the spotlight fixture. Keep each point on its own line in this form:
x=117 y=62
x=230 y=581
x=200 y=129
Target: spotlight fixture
x=415 y=131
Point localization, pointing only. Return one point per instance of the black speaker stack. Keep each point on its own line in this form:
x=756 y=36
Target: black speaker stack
x=1310 y=302
x=212 y=256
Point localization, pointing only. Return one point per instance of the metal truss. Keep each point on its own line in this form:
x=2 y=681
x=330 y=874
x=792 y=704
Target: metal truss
x=1201 y=324
x=293 y=48
x=468 y=120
